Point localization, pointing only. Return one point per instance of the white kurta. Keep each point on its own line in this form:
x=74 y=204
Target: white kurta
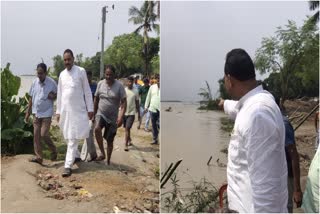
x=74 y=101
x=257 y=167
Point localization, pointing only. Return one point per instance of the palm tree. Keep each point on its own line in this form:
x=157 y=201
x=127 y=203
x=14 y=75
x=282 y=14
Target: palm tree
x=314 y=5
x=145 y=18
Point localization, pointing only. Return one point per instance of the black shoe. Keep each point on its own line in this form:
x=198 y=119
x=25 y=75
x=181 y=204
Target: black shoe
x=76 y=160
x=154 y=143
x=67 y=172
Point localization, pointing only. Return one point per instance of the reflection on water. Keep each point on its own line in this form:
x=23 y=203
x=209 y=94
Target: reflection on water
x=194 y=136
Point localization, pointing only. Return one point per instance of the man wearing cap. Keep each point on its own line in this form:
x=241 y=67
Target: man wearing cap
x=257 y=169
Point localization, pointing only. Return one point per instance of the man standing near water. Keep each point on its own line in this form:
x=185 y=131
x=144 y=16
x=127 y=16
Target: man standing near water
x=42 y=93
x=74 y=108
x=257 y=169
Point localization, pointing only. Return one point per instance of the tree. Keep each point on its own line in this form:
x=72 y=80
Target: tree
x=145 y=18
x=155 y=64
x=284 y=52
x=58 y=65
x=125 y=54
x=314 y=5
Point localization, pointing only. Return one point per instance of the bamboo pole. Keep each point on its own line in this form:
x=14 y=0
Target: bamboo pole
x=313 y=110
x=170 y=173
x=166 y=172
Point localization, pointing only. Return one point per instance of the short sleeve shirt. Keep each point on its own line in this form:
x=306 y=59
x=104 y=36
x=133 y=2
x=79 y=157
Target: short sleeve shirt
x=132 y=96
x=41 y=105
x=109 y=99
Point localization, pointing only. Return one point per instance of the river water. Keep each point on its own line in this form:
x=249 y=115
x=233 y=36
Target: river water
x=194 y=136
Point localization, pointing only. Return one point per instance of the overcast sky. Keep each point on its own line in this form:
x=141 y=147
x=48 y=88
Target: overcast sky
x=195 y=37
x=31 y=30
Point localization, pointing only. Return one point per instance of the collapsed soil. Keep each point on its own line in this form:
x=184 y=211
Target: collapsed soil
x=129 y=184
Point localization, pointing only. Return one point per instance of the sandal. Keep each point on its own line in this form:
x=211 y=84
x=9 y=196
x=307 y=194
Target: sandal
x=126 y=149
x=100 y=158
x=36 y=160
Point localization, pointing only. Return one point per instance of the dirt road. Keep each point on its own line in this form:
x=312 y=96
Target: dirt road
x=129 y=184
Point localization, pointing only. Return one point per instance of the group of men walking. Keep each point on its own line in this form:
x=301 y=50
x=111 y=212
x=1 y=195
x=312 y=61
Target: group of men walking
x=84 y=108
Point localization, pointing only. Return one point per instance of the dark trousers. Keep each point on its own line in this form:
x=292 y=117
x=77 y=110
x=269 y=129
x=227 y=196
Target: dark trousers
x=155 y=120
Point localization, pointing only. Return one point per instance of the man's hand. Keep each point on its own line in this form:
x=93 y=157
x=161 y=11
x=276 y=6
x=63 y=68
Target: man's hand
x=221 y=103
x=145 y=110
x=90 y=115
x=297 y=198
x=26 y=118
x=58 y=117
x=52 y=95
x=119 y=122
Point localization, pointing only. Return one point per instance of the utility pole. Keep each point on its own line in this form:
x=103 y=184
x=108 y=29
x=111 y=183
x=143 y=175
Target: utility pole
x=104 y=11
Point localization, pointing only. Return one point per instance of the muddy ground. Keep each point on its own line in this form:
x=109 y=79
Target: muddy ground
x=129 y=184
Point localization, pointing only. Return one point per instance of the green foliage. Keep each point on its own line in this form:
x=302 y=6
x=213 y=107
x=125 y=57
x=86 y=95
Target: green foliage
x=207 y=103
x=291 y=51
x=15 y=133
x=222 y=90
x=145 y=18
x=226 y=124
x=155 y=64
x=125 y=54
x=10 y=84
x=58 y=65
x=203 y=197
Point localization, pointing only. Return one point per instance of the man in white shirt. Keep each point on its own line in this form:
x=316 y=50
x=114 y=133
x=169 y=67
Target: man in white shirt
x=74 y=108
x=257 y=168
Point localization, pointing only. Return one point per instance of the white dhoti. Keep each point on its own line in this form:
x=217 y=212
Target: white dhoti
x=72 y=152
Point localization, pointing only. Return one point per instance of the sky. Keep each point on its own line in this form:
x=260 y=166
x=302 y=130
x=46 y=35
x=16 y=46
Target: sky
x=196 y=36
x=31 y=30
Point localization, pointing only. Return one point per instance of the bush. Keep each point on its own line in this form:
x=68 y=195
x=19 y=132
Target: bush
x=16 y=135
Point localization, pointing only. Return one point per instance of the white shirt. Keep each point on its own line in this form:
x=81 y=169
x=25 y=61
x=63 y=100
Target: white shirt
x=74 y=101
x=257 y=168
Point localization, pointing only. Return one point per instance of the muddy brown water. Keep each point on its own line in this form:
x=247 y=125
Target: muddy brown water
x=193 y=135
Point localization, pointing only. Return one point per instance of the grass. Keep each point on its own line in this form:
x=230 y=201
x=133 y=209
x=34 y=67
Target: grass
x=226 y=124
x=202 y=197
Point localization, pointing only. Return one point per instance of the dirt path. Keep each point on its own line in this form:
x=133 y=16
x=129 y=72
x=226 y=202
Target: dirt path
x=129 y=184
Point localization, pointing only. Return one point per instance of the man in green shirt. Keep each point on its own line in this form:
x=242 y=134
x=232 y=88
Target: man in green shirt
x=153 y=105
x=143 y=92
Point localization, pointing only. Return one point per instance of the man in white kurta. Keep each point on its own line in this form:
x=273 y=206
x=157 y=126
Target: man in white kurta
x=257 y=169
x=74 y=108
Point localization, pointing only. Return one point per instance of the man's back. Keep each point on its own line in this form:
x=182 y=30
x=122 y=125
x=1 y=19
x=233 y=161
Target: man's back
x=257 y=170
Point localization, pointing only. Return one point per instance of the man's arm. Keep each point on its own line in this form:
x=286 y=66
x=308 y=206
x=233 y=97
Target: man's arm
x=96 y=104
x=148 y=99
x=59 y=94
x=297 y=194
x=229 y=107
x=87 y=94
x=123 y=107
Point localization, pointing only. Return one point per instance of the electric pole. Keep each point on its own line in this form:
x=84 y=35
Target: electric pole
x=104 y=11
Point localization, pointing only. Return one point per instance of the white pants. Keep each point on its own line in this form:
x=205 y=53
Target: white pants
x=72 y=152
